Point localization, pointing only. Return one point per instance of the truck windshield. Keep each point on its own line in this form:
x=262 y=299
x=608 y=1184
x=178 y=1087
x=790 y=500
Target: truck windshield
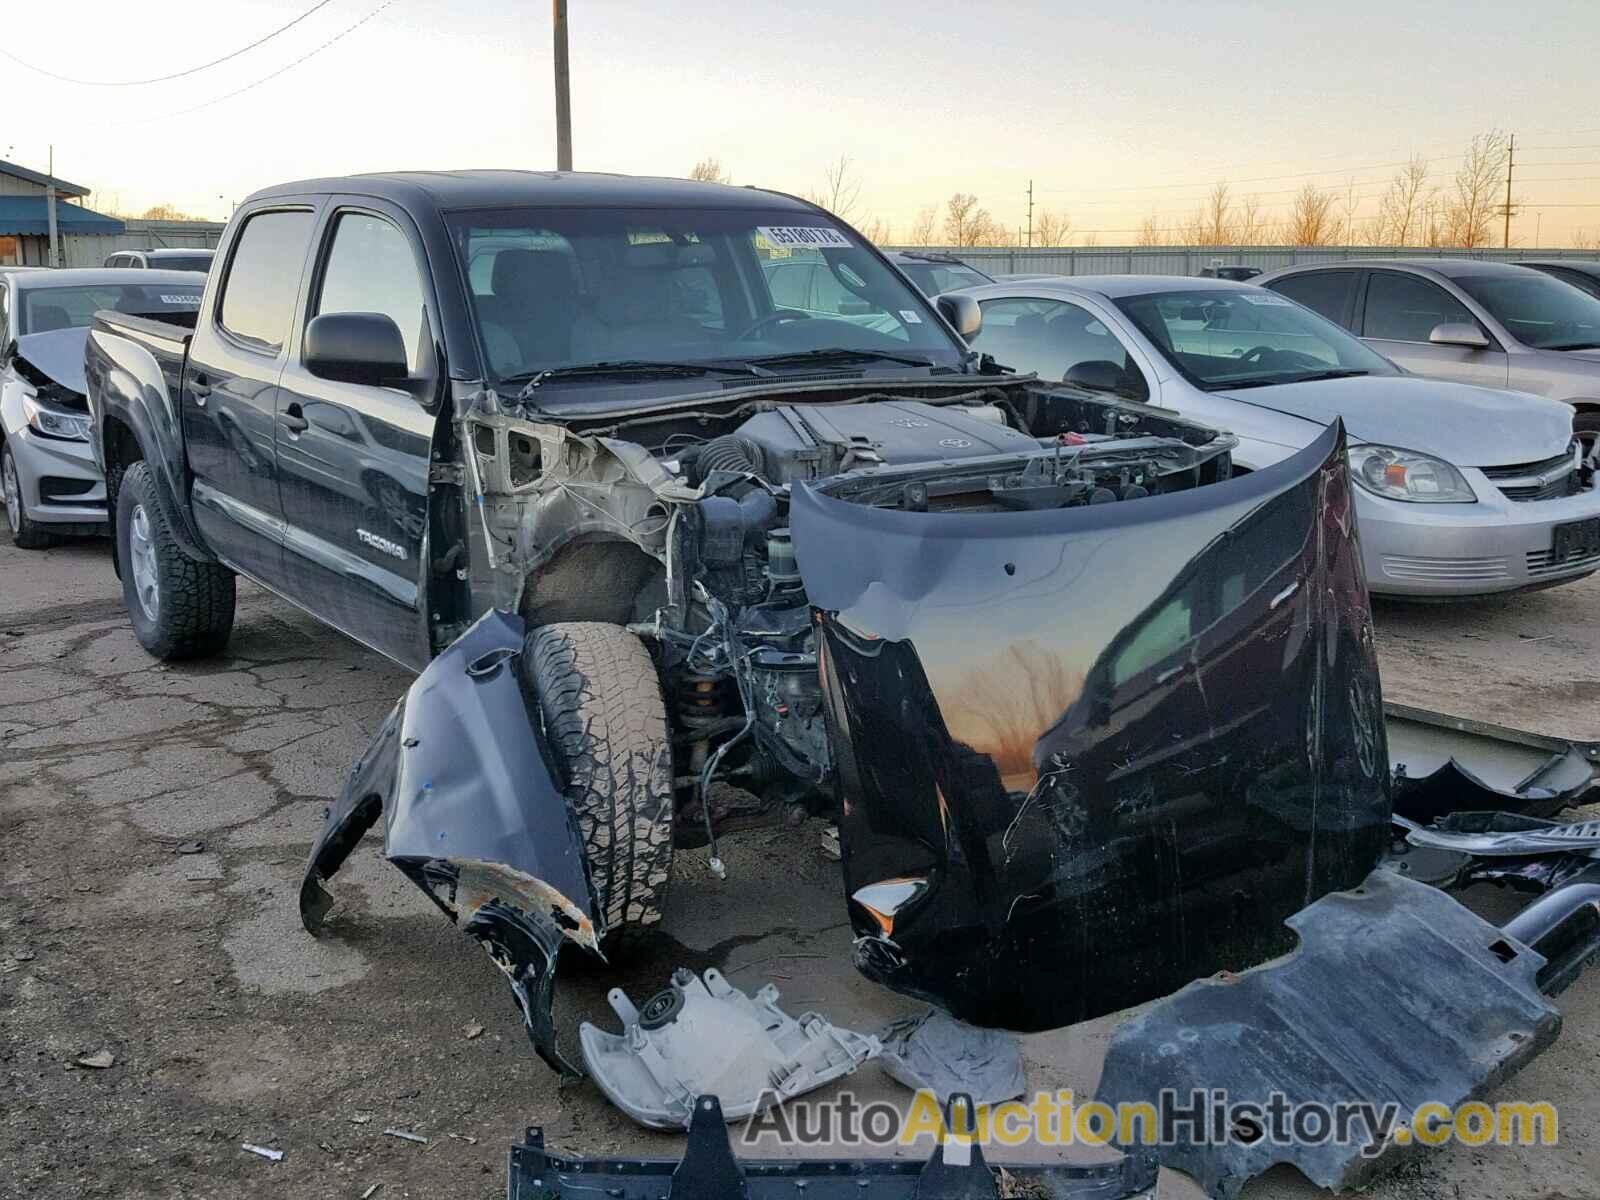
x=182 y=262
x=558 y=288
x=47 y=308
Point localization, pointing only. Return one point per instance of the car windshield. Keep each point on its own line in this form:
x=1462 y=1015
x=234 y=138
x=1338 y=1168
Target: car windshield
x=556 y=290
x=1222 y=338
x=1538 y=310
x=934 y=278
x=182 y=262
x=47 y=308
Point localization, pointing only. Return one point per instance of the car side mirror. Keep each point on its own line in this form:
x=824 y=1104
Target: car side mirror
x=1458 y=333
x=357 y=348
x=1097 y=375
x=962 y=312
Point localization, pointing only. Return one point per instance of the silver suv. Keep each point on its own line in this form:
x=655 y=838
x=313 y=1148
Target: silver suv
x=1489 y=323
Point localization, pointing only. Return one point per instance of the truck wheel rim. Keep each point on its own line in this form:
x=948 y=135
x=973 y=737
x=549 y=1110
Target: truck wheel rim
x=13 y=491
x=142 y=552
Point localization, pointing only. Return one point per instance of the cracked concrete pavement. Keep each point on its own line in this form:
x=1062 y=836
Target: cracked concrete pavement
x=228 y=1024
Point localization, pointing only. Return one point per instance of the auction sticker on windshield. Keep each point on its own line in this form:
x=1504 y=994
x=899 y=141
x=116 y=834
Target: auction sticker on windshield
x=1265 y=298
x=192 y=301
x=789 y=236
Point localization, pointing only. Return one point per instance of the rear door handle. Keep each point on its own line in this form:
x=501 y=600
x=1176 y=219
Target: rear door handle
x=293 y=419
x=199 y=388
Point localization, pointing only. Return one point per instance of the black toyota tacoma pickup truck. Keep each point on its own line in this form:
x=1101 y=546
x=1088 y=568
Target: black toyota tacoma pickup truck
x=1093 y=715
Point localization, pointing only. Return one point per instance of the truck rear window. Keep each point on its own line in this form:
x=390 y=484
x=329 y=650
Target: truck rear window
x=44 y=309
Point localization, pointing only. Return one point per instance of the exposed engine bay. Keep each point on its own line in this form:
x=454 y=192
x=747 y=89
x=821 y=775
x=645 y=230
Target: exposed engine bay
x=676 y=524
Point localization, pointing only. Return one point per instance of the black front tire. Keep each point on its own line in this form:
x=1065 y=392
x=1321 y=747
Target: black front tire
x=594 y=686
x=180 y=607
x=26 y=533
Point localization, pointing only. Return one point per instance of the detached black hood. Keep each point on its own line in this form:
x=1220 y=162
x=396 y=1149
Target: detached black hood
x=1090 y=754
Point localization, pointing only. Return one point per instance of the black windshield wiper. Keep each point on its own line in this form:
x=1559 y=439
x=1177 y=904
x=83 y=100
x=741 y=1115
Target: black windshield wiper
x=1573 y=346
x=638 y=368
x=839 y=354
x=1216 y=385
x=1331 y=373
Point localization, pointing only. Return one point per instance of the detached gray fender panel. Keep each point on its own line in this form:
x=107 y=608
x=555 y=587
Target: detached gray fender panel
x=475 y=817
x=127 y=383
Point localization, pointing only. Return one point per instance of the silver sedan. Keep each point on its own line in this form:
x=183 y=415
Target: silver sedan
x=1461 y=490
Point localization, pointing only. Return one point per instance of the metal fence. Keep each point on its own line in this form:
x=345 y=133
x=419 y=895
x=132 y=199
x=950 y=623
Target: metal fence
x=92 y=250
x=1189 y=260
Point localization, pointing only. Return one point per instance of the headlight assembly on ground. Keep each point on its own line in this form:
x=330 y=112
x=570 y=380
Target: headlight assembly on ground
x=1406 y=475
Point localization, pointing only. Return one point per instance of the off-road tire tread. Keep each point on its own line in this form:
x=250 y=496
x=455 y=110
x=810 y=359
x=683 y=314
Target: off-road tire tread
x=197 y=598
x=29 y=535
x=597 y=691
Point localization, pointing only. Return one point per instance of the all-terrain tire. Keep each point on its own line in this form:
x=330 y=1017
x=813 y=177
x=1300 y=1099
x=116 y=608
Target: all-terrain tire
x=194 y=601
x=26 y=533
x=596 y=690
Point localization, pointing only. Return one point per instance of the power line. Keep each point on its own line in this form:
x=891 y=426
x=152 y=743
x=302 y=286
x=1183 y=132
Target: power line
x=342 y=34
x=176 y=75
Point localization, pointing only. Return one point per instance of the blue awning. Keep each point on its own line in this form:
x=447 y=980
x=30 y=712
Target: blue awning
x=28 y=216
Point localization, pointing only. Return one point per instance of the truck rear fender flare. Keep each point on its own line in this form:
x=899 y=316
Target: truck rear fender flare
x=137 y=411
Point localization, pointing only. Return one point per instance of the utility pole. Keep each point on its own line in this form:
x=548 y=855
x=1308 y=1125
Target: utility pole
x=563 y=89
x=1511 y=161
x=1030 y=214
x=50 y=206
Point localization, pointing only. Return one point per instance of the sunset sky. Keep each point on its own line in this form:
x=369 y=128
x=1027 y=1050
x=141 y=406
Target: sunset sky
x=1115 y=112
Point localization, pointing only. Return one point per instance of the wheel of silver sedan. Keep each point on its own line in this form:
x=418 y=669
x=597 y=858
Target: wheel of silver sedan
x=142 y=552
x=13 y=493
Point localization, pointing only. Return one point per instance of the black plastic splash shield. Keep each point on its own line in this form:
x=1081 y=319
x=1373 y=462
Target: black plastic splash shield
x=1396 y=994
x=1088 y=755
x=709 y=1171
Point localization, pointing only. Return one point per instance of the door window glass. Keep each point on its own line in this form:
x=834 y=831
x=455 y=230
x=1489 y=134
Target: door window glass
x=1326 y=293
x=258 y=296
x=1403 y=308
x=371 y=269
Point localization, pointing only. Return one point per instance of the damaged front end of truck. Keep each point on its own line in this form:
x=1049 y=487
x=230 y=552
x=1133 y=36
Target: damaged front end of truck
x=1096 y=718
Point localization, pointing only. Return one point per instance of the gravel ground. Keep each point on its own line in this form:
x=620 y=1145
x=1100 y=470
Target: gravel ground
x=226 y=1024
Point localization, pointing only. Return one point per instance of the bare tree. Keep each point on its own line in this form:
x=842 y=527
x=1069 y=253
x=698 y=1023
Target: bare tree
x=1052 y=229
x=1091 y=238
x=167 y=212
x=1582 y=239
x=1212 y=221
x=840 y=192
x=876 y=231
x=709 y=170
x=1151 y=233
x=924 y=227
x=1250 y=227
x=1349 y=202
x=1403 y=209
x=965 y=224
x=1311 y=219
x=1474 y=197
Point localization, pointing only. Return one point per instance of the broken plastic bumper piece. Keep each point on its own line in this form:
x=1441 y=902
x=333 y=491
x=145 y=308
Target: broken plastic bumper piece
x=703 y=1036
x=1396 y=997
x=709 y=1171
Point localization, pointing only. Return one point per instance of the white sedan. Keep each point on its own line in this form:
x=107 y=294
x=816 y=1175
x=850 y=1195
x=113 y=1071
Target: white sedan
x=1461 y=490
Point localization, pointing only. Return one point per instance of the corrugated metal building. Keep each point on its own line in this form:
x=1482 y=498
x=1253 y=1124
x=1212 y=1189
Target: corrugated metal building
x=25 y=216
x=1189 y=260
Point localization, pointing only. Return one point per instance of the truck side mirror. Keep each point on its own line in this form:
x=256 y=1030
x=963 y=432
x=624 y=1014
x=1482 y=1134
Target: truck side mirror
x=1458 y=333
x=355 y=347
x=962 y=312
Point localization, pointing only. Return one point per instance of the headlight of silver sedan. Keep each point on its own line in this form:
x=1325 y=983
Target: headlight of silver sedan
x=55 y=422
x=1397 y=474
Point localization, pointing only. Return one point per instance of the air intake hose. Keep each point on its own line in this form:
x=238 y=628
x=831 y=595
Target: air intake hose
x=730 y=452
